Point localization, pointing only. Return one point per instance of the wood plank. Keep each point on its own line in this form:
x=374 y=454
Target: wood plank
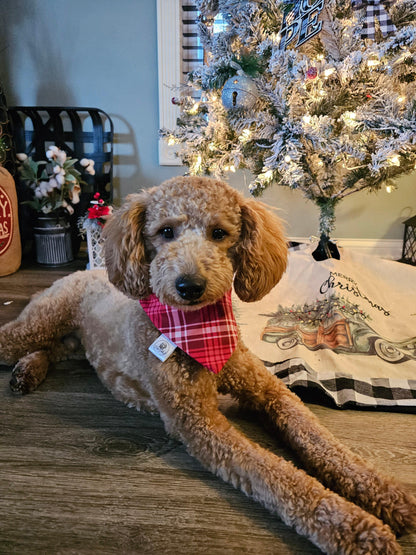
x=82 y=473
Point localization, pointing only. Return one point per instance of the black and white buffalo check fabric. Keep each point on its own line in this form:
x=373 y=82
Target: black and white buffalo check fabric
x=345 y=391
x=375 y=9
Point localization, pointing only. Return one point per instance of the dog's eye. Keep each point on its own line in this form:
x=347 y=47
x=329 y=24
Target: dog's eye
x=167 y=232
x=218 y=234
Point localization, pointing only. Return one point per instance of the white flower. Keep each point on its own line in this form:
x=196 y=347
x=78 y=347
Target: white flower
x=75 y=198
x=54 y=184
x=44 y=188
x=21 y=156
x=61 y=156
x=38 y=194
x=60 y=178
x=75 y=194
x=68 y=207
x=88 y=164
x=57 y=169
x=52 y=152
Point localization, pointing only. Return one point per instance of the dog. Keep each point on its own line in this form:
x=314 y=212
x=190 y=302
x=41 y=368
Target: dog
x=185 y=244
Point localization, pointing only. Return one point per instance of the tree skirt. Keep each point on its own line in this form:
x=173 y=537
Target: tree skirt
x=345 y=329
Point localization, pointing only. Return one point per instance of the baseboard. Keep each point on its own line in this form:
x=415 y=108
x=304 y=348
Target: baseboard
x=383 y=248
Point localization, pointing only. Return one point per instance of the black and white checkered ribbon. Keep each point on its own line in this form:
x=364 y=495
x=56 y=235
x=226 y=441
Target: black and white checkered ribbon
x=375 y=9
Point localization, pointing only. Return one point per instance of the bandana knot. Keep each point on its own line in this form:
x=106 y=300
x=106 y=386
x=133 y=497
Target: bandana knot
x=209 y=334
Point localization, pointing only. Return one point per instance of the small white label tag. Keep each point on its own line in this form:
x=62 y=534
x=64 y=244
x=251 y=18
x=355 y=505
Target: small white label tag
x=162 y=348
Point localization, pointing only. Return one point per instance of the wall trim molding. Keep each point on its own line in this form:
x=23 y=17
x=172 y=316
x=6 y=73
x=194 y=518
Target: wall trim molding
x=383 y=248
x=169 y=72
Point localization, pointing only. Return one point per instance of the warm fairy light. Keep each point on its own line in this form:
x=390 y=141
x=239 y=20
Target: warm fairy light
x=245 y=136
x=198 y=163
x=320 y=163
x=329 y=71
x=211 y=146
x=266 y=176
x=287 y=158
x=320 y=57
x=388 y=189
x=395 y=160
x=194 y=109
x=171 y=141
x=350 y=118
x=307 y=118
x=232 y=168
x=373 y=62
x=401 y=99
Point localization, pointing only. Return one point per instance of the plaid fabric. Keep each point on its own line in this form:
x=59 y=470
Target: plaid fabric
x=209 y=335
x=375 y=8
x=344 y=390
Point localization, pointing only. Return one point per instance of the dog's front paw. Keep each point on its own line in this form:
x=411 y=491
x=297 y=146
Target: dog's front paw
x=374 y=541
x=343 y=528
x=398 y=509
x=29 y=372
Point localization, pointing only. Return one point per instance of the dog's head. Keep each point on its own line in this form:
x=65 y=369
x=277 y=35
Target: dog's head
x=189 y=239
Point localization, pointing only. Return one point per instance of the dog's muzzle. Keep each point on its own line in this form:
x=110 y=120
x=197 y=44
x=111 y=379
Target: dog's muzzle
x=190 y=288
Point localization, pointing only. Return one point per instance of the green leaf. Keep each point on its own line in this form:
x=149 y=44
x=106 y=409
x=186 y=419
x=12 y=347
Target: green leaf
x=33 y=166
x=69 y=162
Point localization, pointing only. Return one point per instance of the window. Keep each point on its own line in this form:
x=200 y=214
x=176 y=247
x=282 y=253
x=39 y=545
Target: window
x=179 y=52
x=168 y=39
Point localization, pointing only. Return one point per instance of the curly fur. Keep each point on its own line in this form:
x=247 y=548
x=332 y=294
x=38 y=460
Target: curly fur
x=339 y=501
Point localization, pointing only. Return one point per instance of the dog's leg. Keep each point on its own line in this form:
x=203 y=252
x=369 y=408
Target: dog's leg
x=29 y=372
x=320 y=452
x=187 y=400
x=34 y=338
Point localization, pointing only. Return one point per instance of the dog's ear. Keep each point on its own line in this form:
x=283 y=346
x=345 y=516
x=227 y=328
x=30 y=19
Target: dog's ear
x=261 y=255
x=124 y=247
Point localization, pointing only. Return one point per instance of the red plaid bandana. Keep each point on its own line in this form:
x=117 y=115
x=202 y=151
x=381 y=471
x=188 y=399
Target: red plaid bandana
x=209 y=335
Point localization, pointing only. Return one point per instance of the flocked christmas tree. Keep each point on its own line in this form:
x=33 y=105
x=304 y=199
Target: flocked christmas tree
x=314 y=95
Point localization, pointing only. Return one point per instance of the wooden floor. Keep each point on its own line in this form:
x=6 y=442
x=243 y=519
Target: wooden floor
x=82 y=473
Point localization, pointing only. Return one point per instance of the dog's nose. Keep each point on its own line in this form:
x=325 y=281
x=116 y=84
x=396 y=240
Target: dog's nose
x=190 y=288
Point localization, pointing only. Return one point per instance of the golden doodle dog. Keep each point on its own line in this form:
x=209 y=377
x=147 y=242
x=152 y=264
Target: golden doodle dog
x=185 y=244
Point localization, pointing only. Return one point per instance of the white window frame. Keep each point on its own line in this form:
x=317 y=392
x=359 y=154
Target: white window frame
x=169 y=72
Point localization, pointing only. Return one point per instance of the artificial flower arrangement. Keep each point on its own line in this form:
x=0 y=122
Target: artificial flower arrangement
x=55 y=183
x=97 y=213
x=92 y=224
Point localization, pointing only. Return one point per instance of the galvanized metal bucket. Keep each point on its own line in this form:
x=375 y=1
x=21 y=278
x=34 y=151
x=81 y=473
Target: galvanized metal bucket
x=53 y=240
